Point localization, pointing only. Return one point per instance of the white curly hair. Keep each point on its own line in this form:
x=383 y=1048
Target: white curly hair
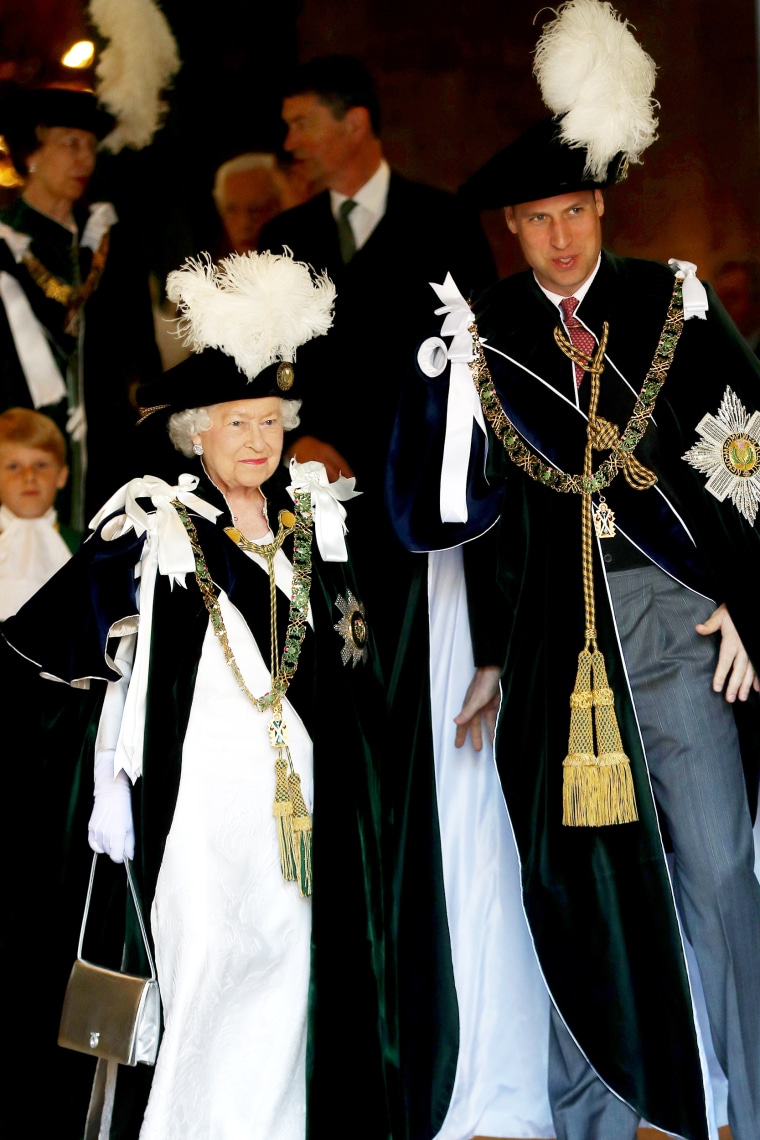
x=184 y=425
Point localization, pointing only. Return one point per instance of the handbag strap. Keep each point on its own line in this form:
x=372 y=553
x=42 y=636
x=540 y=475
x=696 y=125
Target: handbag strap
x=137 y=908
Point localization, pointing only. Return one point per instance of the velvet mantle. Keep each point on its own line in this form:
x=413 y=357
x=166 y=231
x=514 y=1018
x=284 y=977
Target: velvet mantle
x=599 y=902
x=63 y=631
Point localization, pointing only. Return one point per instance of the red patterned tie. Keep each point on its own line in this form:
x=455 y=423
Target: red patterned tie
x=580 y=336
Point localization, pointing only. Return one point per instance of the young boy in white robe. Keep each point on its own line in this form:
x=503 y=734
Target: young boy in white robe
x=32 y=471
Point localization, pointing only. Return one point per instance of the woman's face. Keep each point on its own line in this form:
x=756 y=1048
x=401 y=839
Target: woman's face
x=243 y=446
x=64 y=162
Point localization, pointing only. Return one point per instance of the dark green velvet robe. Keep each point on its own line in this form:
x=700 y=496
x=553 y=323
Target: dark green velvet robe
x=599 y=901
x=117 y=349
x=349 y=1052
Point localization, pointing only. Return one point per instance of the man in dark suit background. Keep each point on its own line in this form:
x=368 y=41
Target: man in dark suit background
x=379 y=236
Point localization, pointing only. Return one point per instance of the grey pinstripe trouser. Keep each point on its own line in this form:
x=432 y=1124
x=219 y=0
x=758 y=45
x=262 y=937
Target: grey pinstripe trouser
x=693 y=755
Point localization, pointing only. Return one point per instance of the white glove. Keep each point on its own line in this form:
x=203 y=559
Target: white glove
x=76 y=423
x=111 y=831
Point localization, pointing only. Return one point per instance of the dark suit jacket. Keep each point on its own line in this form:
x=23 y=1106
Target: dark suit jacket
x=355 y=372
x=383 y=298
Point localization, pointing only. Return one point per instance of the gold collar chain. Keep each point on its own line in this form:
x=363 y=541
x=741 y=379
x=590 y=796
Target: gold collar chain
x=73 y=297
x=621 y=444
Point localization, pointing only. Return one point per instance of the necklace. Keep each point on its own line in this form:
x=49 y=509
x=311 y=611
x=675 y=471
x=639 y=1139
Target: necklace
x=72 y=296
x=290 y=811
x=606 y=436
x=597 y=781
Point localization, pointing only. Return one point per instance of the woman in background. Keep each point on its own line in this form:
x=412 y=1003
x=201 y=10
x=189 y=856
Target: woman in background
x=66 y=276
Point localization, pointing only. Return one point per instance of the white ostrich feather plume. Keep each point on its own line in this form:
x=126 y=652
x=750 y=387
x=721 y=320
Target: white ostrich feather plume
x=134 y=69
x=255 y=307
x=591 y=70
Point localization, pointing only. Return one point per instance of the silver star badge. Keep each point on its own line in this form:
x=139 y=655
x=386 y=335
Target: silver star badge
x=729 y=453
x=353 y=629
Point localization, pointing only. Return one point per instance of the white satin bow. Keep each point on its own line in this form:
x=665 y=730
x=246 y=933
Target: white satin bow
x=42 y=374
x=167 y=550
x=102 y=217
x=463 y=404
x=167 y=537
x=17 y=243
x=695 y=302
x=326 y=499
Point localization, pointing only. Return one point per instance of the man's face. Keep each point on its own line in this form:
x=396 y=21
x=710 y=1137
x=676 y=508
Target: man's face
x=248 y=199
x=560 y=237
x=316 y=138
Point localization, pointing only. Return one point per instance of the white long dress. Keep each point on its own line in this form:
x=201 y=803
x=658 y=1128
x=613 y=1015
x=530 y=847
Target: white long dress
x=232 y=937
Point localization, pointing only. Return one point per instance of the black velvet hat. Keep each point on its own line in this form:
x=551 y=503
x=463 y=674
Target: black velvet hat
x=213 y=377
x=538 y=164
x=24 y=109
x=597 y=81
x=249 y=320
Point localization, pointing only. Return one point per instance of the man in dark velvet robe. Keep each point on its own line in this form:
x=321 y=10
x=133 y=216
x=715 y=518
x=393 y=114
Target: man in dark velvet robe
x=677 y=621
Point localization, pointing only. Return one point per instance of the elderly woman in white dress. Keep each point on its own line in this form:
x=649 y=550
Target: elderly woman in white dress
x=237 y=748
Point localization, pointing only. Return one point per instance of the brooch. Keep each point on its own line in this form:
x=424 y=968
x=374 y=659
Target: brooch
x=729 y=454
x=353 y=629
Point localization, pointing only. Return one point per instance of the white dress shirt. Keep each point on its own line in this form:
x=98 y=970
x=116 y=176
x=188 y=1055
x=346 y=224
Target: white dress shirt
x=371 y=202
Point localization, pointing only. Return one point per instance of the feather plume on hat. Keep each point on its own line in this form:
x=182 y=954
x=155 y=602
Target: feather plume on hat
x=593 y=73
x=135 y=68
x=257 y=308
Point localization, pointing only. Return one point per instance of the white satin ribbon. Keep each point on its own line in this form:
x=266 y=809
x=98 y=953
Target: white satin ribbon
x=167 y=550
x=463 y=404
x=695 y=302
x=167 y=537
x=17 y=243
x=31 y=551
x=102 y=217
x=42 y=375
x=326 y=498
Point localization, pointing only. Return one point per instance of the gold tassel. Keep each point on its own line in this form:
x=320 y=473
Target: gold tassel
x=302 y=834
x=617 y=800
x=580 y=767
x=283 y=813
x=597 y=789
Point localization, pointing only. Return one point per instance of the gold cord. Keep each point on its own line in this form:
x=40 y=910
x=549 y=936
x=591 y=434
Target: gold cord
x=597 y=782
x=624 y=444
x=72 y=296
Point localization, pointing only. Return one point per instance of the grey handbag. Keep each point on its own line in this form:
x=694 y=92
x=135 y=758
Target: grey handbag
x=107 y=1013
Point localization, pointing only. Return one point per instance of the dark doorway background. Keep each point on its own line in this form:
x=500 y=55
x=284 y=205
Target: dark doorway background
x=455 y=84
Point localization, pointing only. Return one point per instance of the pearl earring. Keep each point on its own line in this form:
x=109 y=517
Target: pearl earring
x=198 y=448
x=32 y=167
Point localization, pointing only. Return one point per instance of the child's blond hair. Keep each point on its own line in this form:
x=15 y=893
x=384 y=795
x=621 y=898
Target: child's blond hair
x=32 y=429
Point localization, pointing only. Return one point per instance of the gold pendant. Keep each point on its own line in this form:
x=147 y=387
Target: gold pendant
x=604 y=520
x=278 y=731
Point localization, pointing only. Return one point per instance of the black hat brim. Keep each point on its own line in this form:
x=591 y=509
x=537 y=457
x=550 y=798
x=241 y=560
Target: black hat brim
x=213 y=377
x=537 y=165
x=24 y=109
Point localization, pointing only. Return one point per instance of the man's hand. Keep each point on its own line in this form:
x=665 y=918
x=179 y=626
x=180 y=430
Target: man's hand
x=733 y=662
x=309 y=448
x=481 y=704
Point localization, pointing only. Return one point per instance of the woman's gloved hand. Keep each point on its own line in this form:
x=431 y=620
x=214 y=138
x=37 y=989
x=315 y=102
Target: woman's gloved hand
x=111 y=831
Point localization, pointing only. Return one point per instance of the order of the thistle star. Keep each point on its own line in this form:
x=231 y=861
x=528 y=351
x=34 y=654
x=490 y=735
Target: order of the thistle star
x=278 y=731
x=729 y=454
